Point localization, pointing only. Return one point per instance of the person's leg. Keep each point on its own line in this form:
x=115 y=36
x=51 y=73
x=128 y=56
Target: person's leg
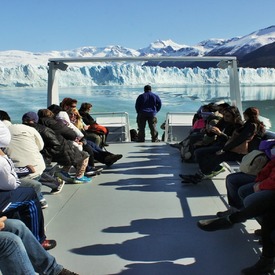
x=93 y=137
x=141 y=122
x=152 y=123
x=201 y=154
x=24 y=201
x=13 y=256
x=233 y=182
x=266 y=263
x=42 y=261
x=255 y=205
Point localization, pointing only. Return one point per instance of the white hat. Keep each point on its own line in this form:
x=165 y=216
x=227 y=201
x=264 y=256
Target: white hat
x=5 y=136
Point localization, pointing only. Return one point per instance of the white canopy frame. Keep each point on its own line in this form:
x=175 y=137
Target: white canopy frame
x=229 y=62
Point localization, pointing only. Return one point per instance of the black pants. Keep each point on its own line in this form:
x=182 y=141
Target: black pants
x=25 y=206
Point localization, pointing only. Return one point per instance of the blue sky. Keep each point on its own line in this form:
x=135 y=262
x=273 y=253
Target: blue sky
x=40 y=26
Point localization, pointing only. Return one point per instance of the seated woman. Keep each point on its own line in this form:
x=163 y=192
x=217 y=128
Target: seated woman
x=100 y=155
x=244 y=139
x=93 y=127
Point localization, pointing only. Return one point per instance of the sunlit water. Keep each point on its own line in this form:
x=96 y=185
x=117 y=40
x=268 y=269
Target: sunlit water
x=122 y=99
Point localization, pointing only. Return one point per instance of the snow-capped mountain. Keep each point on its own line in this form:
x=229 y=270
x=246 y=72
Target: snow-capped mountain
x=246 y=44
x=27 y=69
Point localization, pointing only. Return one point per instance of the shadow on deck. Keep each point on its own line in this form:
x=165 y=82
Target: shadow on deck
x=137 y=218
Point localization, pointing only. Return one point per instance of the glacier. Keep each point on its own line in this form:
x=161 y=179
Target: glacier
x=32 y=76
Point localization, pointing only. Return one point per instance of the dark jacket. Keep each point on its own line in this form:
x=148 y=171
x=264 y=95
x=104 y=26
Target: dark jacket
x=148 y=103
x=248 y=132
x=86 y=117
x=56 y=147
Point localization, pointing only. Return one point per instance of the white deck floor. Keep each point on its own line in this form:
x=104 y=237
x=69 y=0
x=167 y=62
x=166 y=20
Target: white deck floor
x=137 y=218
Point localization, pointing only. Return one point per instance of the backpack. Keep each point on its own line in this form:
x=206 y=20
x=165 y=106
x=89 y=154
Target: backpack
x=253 y=162
x=134 y=135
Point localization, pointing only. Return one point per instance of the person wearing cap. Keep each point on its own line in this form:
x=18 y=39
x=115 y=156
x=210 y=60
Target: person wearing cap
x=147 y=106
x=17 y=199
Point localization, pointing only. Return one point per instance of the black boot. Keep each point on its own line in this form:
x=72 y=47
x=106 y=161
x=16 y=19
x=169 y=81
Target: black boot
x=263 y=266
x=215 y=224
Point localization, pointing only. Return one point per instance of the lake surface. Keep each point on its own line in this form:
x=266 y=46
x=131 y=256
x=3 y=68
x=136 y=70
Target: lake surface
x=122 y=99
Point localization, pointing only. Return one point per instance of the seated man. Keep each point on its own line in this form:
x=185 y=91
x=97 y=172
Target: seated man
x=19 y=246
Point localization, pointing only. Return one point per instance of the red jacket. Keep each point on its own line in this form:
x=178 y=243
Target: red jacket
x=266 y=176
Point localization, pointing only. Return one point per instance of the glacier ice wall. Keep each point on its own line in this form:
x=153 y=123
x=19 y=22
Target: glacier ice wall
x=129 y=74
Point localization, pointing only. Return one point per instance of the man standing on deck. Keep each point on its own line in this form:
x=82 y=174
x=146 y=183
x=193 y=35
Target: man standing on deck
x=147 y=106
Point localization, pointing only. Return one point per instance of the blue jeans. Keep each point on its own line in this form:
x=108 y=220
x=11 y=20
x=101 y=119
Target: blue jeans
x=35 y=184
x=255 y=203
x=233 y=182
x=22 y=254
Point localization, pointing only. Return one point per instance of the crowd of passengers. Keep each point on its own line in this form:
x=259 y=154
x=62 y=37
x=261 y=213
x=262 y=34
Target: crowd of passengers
x=50 y=147
x=218 y=135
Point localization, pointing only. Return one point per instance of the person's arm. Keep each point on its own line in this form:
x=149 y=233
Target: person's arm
x=244 y=134
x=24 y=171
x=8 y=177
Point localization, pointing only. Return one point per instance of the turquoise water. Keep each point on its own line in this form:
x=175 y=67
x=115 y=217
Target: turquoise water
x=122 y=99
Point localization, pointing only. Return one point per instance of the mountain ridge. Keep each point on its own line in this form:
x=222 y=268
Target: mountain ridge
x=237 y=46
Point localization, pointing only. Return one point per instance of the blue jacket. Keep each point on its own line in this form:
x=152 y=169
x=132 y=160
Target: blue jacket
x=148 y=103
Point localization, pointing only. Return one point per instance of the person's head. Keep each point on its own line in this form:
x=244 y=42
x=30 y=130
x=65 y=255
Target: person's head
x=252 y=114
x=75 y=117
x=232 y=115
x=221 y=107
x=147 y=88
x=55 y=109
x=4 y=116
x=86 y=107
x=30 y=118
x=67 y=103
x=5 y=136
x=45 y=113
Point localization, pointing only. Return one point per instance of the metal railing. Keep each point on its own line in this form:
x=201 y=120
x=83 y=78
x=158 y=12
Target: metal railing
x=118 y=124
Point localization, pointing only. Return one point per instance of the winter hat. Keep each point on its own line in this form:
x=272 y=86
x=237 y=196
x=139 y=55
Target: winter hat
x=30 y=116
x=5 y=136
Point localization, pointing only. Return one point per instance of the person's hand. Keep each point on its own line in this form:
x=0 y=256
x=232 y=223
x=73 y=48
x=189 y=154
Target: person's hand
x=2 y=222
x=215 y=130
x=256 y=187
x=31 y=168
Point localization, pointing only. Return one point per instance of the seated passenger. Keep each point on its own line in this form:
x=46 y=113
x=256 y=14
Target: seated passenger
x=244 y=139
x=59 y=146
x=258 y=201
x=16 y=200
x=24 y=150
x=21 y=253
x=100 y=155
x=93 y=126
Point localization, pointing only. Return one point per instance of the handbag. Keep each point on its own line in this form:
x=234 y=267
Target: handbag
x=253 y=162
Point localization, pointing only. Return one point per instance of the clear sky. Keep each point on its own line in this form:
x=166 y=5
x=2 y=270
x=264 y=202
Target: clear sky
x=46 y=25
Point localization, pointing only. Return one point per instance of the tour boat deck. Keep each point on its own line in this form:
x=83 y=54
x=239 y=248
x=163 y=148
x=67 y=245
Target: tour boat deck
x=138 y=218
